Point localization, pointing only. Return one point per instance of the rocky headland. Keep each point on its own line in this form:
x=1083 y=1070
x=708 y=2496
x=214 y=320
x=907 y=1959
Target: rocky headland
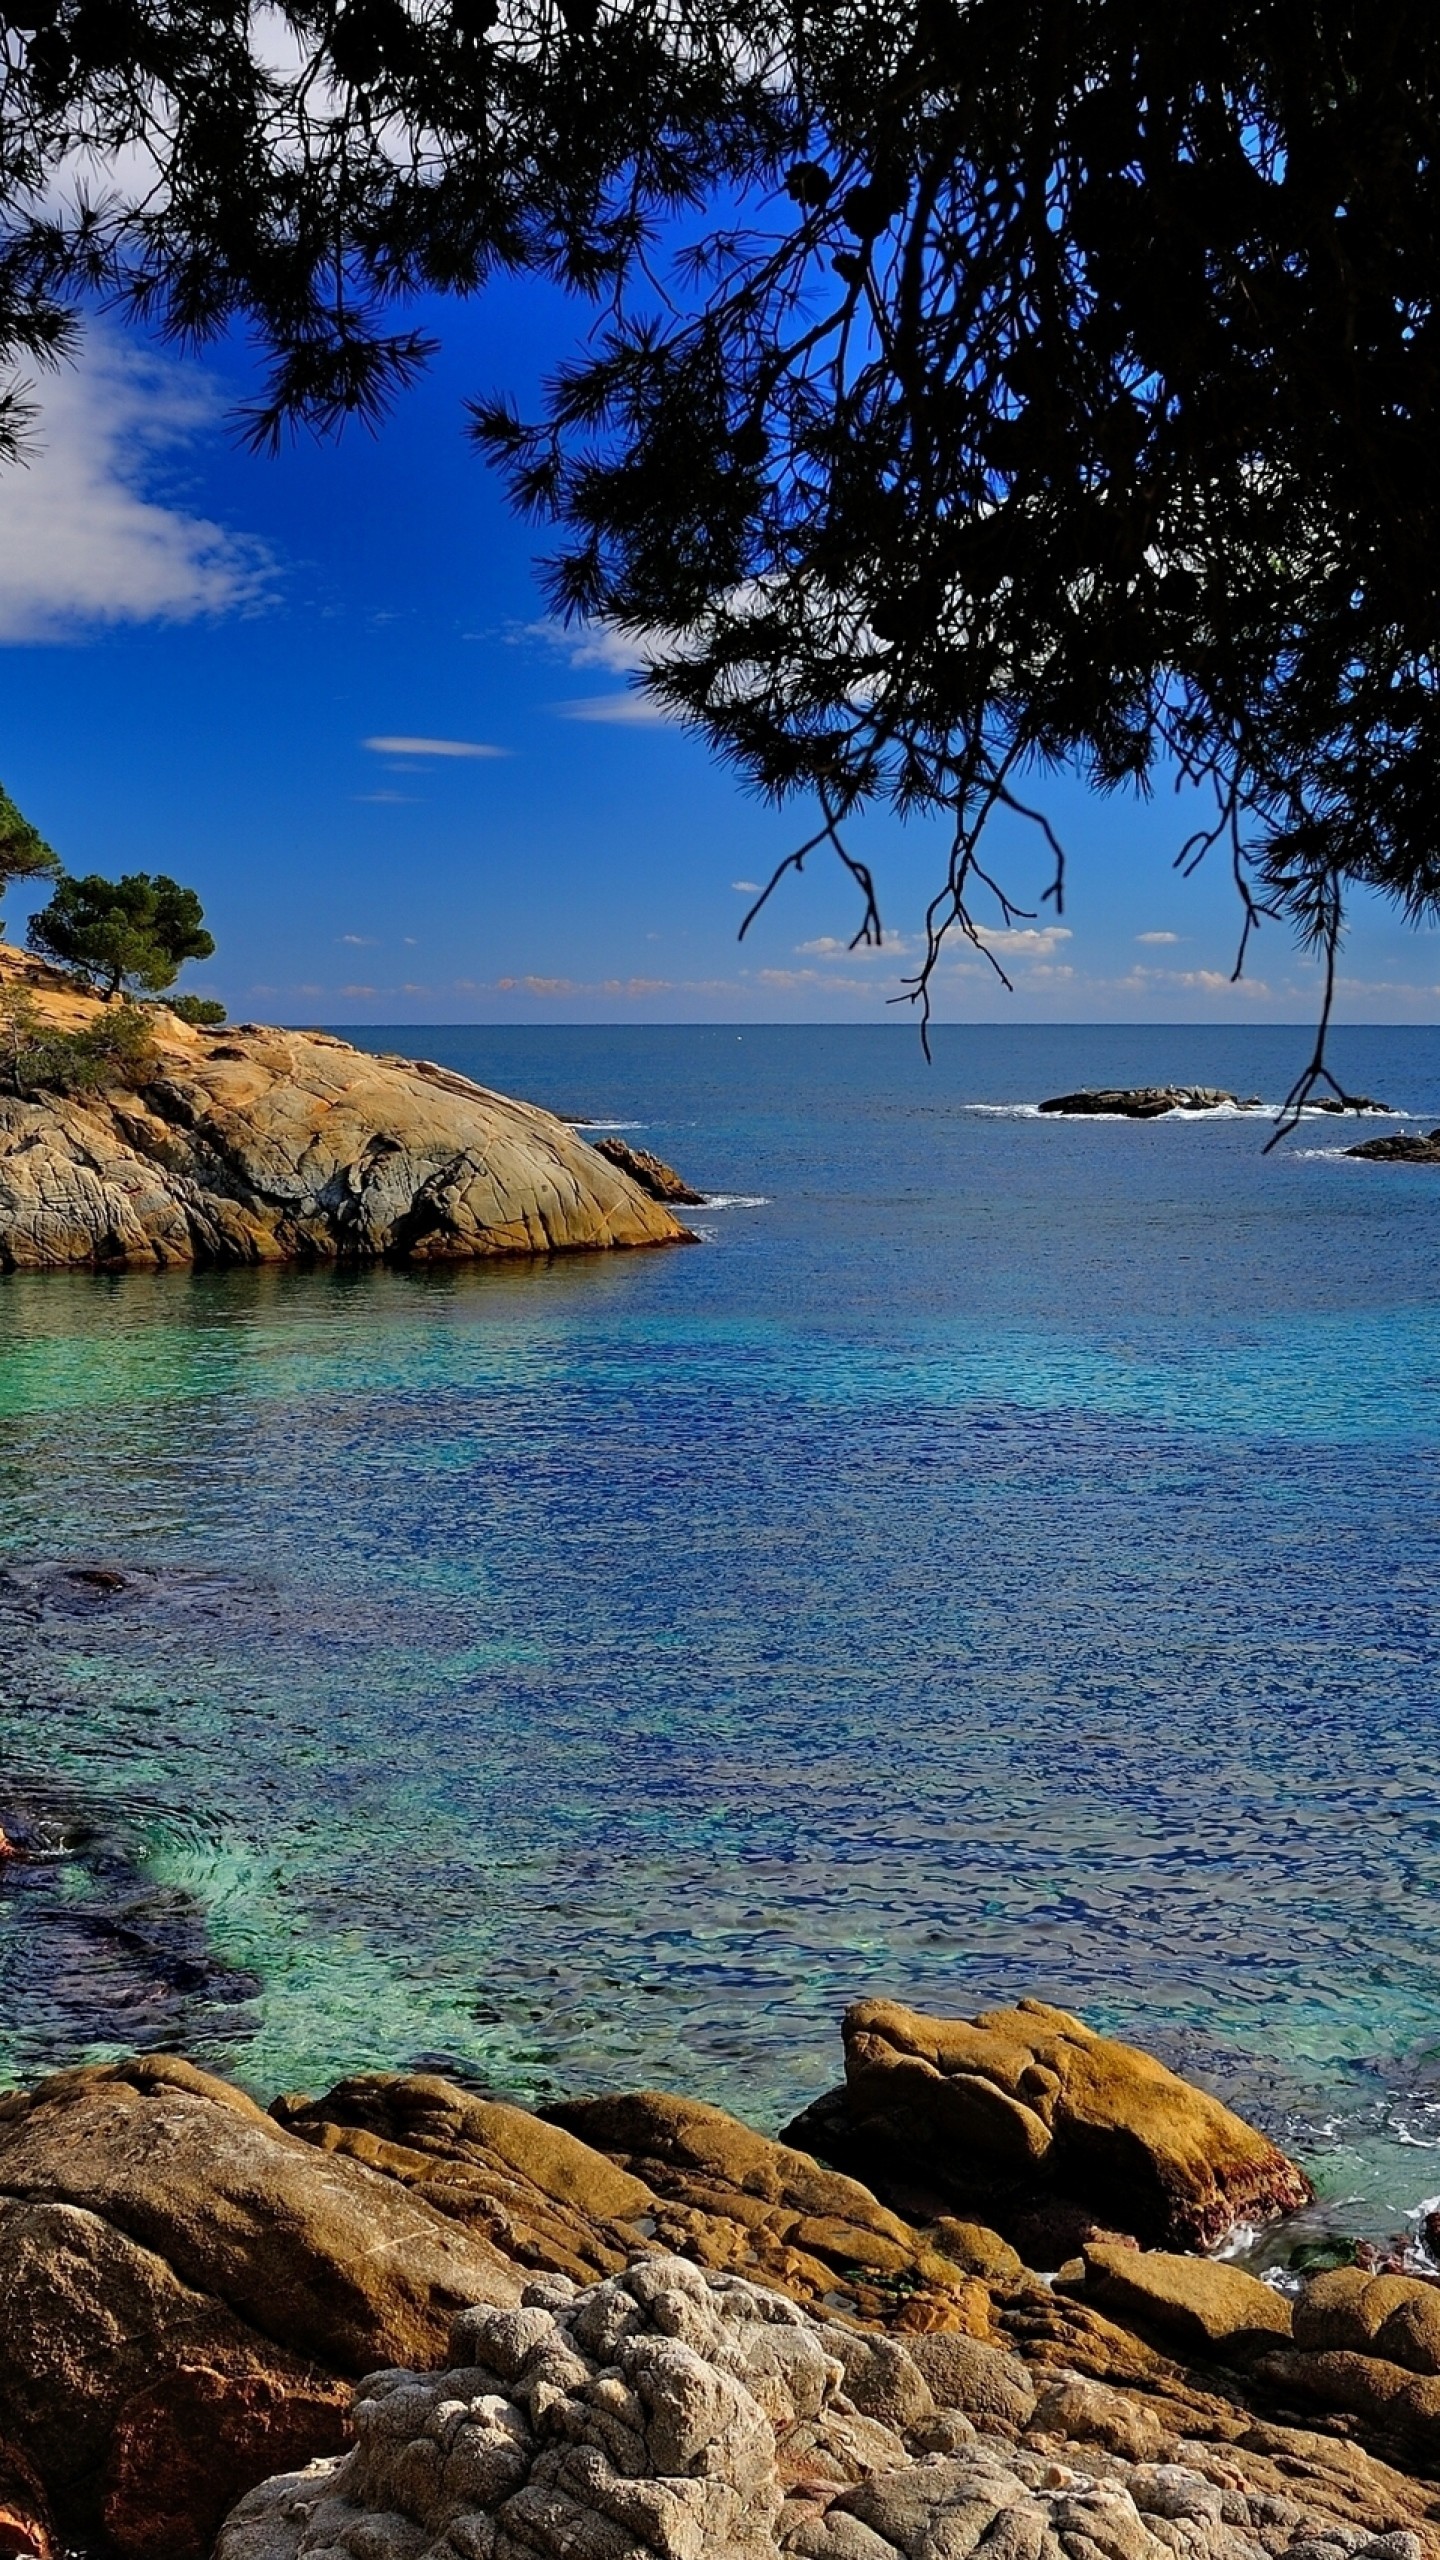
x=401 y=2319
x=252 y=1145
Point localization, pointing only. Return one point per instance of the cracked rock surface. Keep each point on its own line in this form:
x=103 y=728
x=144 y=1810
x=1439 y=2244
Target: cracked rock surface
x=667 y=2414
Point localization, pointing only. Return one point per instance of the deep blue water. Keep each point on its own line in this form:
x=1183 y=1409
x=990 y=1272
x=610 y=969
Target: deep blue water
x=1002 y=1558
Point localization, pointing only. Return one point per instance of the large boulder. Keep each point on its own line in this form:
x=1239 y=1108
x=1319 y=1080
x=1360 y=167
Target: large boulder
x=186 y=2293
x=1207 y=2306
x=260 y=1145
x=1024 y=2105
x=667 y=2415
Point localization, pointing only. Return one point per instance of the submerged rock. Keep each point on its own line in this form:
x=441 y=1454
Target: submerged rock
x=1026 y=2104
x=1147 y=1101
x=261 y=1145
x=659 y=1179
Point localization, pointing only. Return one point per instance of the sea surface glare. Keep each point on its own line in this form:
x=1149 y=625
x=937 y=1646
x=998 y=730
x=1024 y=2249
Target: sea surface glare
x=1001 y=1559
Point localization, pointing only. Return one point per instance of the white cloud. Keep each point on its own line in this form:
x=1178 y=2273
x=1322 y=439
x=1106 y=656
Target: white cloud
x=1215 y=982
x=86 y=537
x=1025 y=942
x=625 y=710
x=747 y=888
x=1157 y=937
x=431 y=747
x=829 y=946
x=361 y=941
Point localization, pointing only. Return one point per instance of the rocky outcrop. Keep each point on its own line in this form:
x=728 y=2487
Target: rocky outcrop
x=667 y=2415
x=259 y=1145
x=575 y=2191
x=1147 y=1101
x=186 y=2293
x=729 y=2198
x=1402 y=1149
x=189 y=2290
x=1051 y=2130
x=659 y=1179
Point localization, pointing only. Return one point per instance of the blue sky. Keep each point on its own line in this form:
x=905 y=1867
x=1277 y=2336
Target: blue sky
x=212 y=665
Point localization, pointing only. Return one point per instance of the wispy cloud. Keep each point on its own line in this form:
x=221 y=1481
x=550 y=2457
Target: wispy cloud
x=789 y=979
x=592 y=644
x=632 y=988
x=830 y=946
x=86 y=536
x=467 y=747
x=362 y=941
x=1157 y=937
x=387 y=799
x=747 y=888
x=1025 y=942
x=623 y=710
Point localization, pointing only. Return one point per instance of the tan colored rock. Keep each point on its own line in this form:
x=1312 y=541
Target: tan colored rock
x=730 y=2198
x=1396 y=2317
x=161 y=2238
x=1329 y=2312
x=544 y=2198
x=663 y=2415
x=261 y=1145
x=988 y=2384
x=1026 y=2102
x=1079 y=2411
x=980 y=2251
x=1203 y=2304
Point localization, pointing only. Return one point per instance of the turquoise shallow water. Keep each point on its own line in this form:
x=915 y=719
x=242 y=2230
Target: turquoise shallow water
x=1000 y=1559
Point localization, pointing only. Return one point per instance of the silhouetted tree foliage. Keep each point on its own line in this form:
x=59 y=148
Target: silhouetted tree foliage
x=137 y=931
x=1049 y=380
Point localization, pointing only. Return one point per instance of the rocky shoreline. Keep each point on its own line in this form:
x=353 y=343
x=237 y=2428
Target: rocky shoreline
x=257 y=1145
x=402 y=2319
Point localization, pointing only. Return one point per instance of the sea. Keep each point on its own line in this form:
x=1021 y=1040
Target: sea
x=998 y=1558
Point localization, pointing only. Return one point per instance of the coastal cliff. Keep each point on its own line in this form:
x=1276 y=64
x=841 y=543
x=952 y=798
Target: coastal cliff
x=261 y=1145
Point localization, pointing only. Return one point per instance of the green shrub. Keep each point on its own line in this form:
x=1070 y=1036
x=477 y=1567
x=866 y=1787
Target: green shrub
x=118 y=1048
x=204 y=1012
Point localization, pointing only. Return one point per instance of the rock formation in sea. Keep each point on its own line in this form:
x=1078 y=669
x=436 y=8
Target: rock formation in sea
x=262 y=1145
x=1147 y=1101
x=193 y=2294
x=1404 y=1148
x=651 y=1172
x=1027 y=2114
